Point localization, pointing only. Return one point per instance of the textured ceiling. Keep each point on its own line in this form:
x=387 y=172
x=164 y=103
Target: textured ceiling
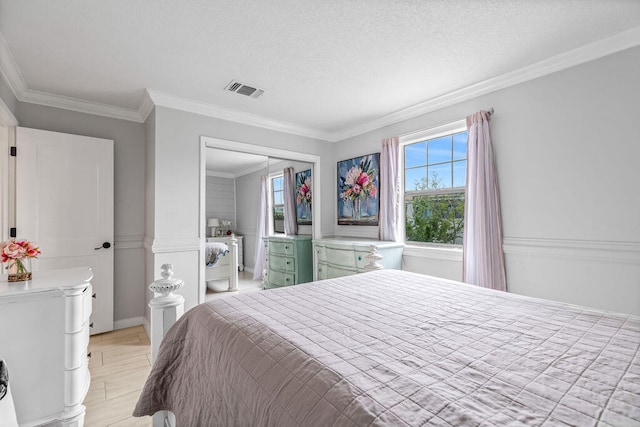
x=327 y=65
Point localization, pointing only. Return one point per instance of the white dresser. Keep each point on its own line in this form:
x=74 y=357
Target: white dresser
x=44 y=335
x=227 y=239
x=344 y=256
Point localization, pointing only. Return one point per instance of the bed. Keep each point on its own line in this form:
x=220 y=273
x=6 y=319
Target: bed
x=395 y=348
x=219 y=262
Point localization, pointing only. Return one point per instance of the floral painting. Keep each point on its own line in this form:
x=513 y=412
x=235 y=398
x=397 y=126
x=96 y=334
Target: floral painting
x=304 y=183
x=358 y=185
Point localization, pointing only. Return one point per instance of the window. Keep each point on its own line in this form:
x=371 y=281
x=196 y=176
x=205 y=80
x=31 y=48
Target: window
x=277 y=205
x=435 y=174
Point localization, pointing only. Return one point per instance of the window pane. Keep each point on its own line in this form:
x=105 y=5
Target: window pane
x=460 y=146
x=436 y=219
x=278 y=219
x=277 y=183
x=440 y=176
x=460 y=173
x=278 y=198
x=415 y=179
x=439 y=150
x=415 y=154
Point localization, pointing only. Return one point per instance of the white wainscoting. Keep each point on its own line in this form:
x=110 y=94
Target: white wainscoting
x=600 y=274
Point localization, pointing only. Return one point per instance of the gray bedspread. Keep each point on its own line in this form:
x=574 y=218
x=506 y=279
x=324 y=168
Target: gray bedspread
x=394 y=348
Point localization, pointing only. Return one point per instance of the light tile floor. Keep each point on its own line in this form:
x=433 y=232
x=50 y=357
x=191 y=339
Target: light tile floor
x=121 y=361
x=119 y=365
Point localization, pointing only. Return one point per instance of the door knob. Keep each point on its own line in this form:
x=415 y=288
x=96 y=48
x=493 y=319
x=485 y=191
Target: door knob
x=105 y=245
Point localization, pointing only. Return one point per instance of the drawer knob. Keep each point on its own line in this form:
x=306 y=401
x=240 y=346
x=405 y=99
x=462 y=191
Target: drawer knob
x=359 y=258
x=89 y=355
x=288 y=262
x=94 y=295
x=91 y=325
x=287 y=279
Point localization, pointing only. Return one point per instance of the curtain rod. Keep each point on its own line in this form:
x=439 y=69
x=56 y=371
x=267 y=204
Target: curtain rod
x=404 y=135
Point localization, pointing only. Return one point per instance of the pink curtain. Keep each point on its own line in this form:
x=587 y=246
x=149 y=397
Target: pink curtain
x=483 y=259
x=290 y=217
x=389 y=190
x=262 y=229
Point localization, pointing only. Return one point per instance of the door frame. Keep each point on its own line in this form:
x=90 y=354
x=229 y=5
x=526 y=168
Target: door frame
x=243 y=147
x=8 y=122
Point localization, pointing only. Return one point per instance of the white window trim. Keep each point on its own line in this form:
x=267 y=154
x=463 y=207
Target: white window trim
x=427 y=250
x=272 y=175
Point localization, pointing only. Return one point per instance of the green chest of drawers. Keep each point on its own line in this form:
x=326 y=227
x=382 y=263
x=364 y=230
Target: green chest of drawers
x=289 y=261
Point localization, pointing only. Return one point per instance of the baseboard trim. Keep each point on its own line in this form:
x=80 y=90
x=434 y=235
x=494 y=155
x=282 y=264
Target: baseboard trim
x=127 y=323
x=592 y=250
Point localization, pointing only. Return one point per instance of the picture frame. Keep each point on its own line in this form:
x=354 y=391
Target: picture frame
x=358 y=186
x=304 y=201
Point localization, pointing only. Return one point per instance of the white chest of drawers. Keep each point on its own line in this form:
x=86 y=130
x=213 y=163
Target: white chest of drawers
x=336 y=257
x=44 y=335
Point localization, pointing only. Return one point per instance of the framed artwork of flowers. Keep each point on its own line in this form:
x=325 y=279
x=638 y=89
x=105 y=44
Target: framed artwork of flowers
x=358 y=185
x=304 y=213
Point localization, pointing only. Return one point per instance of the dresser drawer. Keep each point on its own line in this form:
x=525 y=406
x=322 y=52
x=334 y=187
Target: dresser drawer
x=79 y=308
x=332 y=271
x=282 y=248
x=76 y=344
x=76 y=384
x=321 y=253
x=345 y=257
x=282 y=263
x=277 y=278
x=322 y=271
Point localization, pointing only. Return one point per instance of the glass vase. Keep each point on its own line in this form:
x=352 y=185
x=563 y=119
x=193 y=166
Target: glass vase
x=356 y=208
x=19 y=270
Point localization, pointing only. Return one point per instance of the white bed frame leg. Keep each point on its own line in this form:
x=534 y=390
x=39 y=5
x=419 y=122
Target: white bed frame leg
x=373 y=260
x=233 y=264
x=166 y=307
x=164 y=419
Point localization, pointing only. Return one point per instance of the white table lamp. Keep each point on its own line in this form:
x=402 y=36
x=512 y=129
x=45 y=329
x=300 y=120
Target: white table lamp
x=213 y=224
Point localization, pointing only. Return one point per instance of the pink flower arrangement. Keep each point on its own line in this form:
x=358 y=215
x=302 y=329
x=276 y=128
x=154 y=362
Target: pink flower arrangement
x=15 y=251
x=304 y=192
x=358 y=183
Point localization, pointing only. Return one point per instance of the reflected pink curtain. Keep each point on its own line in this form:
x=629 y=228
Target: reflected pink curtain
x=262 y=229
x=483 y=259
x=290 y=217
x=389 y=190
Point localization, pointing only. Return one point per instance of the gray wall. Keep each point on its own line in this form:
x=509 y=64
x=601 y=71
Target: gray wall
x=221 y=199
x=129 y=193
x=566 y=151
x=177 y=183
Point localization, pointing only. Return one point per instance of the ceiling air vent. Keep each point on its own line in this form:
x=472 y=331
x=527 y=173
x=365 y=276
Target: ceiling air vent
x=243 y=89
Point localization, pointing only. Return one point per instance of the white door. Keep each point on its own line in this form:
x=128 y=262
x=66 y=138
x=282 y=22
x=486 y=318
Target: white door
x=64 y=202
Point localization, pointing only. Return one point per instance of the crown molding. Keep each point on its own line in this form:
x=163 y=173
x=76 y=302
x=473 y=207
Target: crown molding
x=152 y=98
x=215 y=111
x=80 y=105
x=146 y=106
x=586 y=53
x=10 y=70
